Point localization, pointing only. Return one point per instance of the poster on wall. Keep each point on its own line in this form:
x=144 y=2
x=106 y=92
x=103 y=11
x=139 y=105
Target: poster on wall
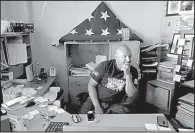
x=179 y=8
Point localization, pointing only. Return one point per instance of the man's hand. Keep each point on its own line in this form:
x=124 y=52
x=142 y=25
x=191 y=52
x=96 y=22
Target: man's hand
x=126 y=69
x=99 y=110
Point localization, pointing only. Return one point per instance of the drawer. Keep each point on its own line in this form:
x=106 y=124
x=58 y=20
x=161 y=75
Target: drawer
x=80 y=79
x=159 y=97
x=78 y=85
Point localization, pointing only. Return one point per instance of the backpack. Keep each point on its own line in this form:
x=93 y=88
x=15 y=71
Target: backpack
x=118 y=109
x=125 y=107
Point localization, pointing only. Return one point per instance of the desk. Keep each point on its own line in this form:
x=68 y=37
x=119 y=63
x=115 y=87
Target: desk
x=112 y=122
x=105 y=122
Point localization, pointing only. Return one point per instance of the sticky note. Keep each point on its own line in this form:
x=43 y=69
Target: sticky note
x=135 y=81
x=59 y=111
x=42 y=105
x=181 y=42
x=177 y=68
x=177 y=78
x=52 y=107
x=28 y=117
x=40 y=87
x=164 y=128
x=151 y=126
x=189 y=63
x=33 y=112
x=40 y=99
x=185 y=130
x=179 y=50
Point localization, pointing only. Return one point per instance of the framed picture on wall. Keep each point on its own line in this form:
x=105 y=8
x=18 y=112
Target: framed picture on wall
x=173 y=7
x=176 y=36
x=179 y=7
x=186 y=7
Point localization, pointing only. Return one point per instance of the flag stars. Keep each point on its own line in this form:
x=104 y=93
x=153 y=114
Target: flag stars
x=90 y=18
x=73 y=32
x=89 y=32
x=105 y=32
x=104 y=15
x=119 y=31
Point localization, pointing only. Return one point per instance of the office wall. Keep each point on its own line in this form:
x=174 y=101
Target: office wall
x=59 y=17
x=14 y=10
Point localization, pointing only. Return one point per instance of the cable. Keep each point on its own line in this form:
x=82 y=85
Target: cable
x=42 y=10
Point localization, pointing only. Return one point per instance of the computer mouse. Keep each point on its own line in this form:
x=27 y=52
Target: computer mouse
x=30 y=103
x=76 y=118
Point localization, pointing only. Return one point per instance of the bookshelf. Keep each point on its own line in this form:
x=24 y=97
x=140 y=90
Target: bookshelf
x=12 y=38
x=163 y=94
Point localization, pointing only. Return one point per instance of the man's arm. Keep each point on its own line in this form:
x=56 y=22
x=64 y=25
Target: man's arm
x=130 y=88
x=93 y=95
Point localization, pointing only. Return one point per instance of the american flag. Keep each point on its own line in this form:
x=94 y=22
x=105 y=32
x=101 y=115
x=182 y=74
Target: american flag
x=102 y=25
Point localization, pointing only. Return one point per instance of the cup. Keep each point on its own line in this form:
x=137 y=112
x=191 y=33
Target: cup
x=90 y=116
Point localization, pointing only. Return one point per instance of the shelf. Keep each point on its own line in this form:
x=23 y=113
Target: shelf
x=14 y=34
x=28 y=45
x=148 y=58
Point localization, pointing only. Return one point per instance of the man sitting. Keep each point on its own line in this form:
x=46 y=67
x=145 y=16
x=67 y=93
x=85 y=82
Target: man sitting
x=110 y=81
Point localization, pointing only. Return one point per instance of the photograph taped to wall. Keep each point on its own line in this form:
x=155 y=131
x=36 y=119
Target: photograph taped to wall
x=176 y=36
x=179 y=8
x=186 y=22
x=189 y=45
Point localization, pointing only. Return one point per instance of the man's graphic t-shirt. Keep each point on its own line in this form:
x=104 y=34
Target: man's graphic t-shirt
x=111 y=82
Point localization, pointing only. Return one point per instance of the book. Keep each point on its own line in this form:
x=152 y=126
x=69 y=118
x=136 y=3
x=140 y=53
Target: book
x=149 y=71
x=75 y=70
x=161 y=44
x=151 y=65
x=189 y=98
x=100 y=58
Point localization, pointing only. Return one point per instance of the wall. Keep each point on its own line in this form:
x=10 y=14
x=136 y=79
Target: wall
x=15 y=10
x=59 y=17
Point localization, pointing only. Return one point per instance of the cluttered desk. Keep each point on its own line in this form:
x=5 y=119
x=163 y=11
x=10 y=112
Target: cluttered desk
x=19 y=95
x=36 y=109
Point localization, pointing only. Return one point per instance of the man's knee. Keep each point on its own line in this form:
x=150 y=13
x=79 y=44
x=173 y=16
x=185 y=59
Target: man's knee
x=86 y=106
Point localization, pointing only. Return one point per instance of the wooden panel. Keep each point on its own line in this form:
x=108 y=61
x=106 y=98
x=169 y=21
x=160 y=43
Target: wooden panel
x=81 y=79
x=78 y=84
x=135 y=48
x=162 y=84
x=158 y=96
x=83 y=54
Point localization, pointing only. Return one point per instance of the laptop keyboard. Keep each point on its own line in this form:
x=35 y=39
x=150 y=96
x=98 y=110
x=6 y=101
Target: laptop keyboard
x=56 y=126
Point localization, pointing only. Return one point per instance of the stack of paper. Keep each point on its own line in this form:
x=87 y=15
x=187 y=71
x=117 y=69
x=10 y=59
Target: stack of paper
x=151 y=64
x=17 y=53
x=79 y=71
x=185 y=113
x=91 y=65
